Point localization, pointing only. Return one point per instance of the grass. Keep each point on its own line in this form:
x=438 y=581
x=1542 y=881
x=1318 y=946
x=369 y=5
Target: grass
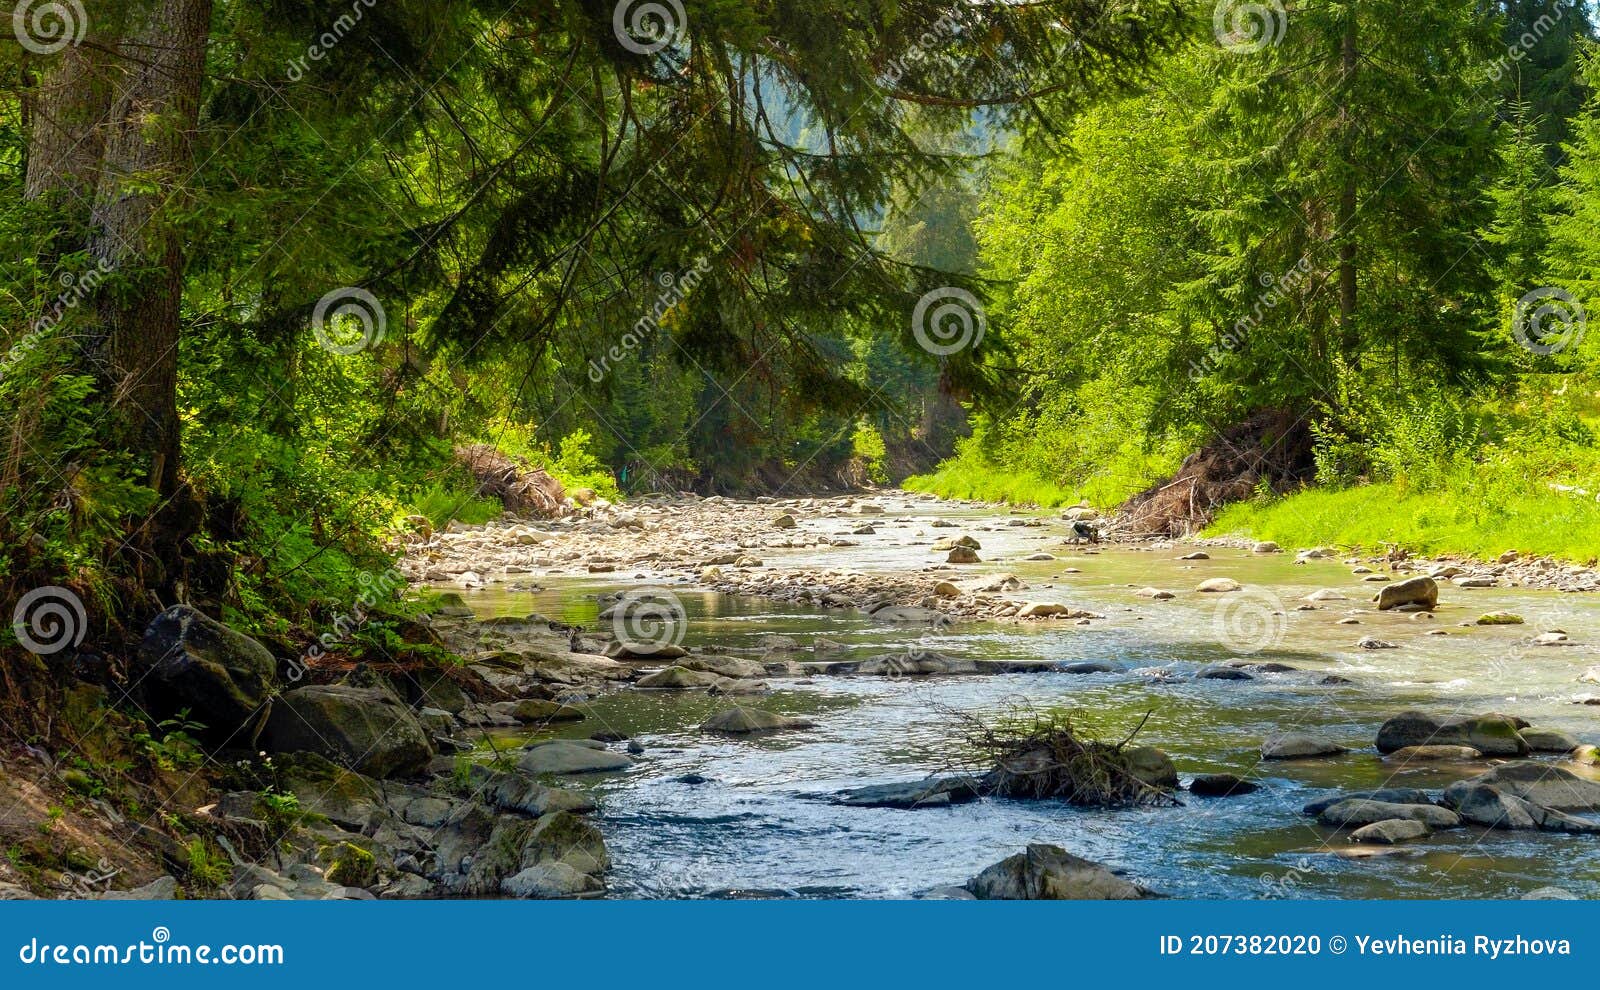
x=963 y=478
x=442 y=502
x=1445 y=520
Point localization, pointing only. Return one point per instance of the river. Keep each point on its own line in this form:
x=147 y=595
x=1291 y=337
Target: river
x=757 y=826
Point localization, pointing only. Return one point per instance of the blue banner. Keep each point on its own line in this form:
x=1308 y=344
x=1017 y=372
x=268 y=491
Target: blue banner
x=781 y=944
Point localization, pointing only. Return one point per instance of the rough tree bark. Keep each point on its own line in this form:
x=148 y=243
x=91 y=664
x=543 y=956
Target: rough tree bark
x=148 y=156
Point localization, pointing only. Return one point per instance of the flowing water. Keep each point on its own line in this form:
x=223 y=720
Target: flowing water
x=756 y=825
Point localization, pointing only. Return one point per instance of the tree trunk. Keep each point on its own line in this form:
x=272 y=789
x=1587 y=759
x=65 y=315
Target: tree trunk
x=1349 y=331
x=148 y=140
x=66 y=126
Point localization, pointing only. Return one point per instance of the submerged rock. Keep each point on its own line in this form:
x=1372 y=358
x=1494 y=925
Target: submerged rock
x=1220 y=785
x=1433 y=754
x=1050 y=873
x=741 y=721
x=1299 y=746
x=934 y=792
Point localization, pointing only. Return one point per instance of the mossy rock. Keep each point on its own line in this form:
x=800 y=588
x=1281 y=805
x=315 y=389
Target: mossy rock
x=1499 y=619
x=351 y=866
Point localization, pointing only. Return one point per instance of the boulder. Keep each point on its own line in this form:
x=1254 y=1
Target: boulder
x=1265 y=546
x=1299 y=746
x=365 y=729
x=1487 y=806
x=1050 y=873
x=1152 y=766
x=1541 y=784
x=1492 y=735
x=784 y=520
x=222 y=676
x=569 y=756
x=1391 y=831
x=551 y=881
x=1220 y=785
x=1218 y=585
x=632 y=650
x=741 y=721
x=1355 y=812
x=1155 y=593
x=1548 y=741
x=1326 y=595
x=679 y=679
x=1374 y=643
x=962 y=555
x=1423 y=591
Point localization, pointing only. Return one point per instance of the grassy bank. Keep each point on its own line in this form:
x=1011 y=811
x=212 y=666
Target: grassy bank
x=1539 y=521
x=959 y=478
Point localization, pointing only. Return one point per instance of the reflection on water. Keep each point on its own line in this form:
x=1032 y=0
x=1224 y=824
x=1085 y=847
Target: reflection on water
x=755 y=825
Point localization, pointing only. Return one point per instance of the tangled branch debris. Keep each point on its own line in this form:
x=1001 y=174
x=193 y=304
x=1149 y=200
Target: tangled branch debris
x=1044 y=756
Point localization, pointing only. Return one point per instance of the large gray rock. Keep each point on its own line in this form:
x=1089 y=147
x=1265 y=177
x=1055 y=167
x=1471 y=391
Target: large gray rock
x=1152 y=766
x=1549 y=741
x=551 y=881
x=1486 y=806
x=1387 y=795
x=1355 y=812
x=741 y=721
x=565 y=756
x=1391 y=831
x=365 y=729
x=1492 y=735
x=1423 y=591
x=1050 y=873
x=222 y=676
x=1538 y=783
x=1299 y=746
x=679 y=679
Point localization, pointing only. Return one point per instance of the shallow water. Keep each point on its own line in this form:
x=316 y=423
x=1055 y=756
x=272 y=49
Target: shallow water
x=756 y=826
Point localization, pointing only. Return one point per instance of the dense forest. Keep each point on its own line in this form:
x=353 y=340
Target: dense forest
x=288 y=284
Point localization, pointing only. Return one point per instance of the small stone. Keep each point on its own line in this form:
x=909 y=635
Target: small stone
x=1374 y=643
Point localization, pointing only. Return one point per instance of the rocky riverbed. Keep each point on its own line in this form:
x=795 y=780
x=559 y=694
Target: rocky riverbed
x=913 y=594
x=704 y=697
